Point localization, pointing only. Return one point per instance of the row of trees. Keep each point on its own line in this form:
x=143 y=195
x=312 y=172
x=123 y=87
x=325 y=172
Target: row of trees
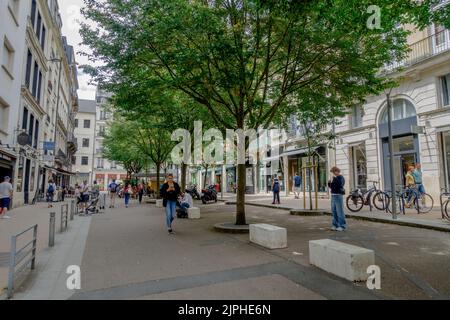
x=243 y=64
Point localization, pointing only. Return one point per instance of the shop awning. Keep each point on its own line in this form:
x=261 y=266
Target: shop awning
x=298 y=152
x=65 y=172
x=270 y=159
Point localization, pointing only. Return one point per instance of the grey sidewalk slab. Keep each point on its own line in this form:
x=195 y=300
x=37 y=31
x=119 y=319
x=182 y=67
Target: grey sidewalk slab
x=375 y=216
x=48 y=281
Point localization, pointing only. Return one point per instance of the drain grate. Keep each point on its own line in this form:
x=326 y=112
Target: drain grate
x=4 y=259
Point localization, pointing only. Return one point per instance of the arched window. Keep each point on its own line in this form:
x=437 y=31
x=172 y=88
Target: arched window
x=401 y=109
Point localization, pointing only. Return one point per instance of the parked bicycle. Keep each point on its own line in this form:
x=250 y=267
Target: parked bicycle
x=372 y=197
x=445 y=203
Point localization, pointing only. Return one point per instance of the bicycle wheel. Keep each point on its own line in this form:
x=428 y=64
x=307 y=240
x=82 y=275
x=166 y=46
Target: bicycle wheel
x=380 y=200
x=424 y=203
x=447 y=210
x=355 y=203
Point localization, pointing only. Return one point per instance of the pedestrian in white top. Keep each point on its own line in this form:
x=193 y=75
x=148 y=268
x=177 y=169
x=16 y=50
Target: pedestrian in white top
x=6 y=194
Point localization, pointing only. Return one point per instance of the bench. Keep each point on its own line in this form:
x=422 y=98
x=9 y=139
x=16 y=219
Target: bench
x=268 y=236
x=341 y=259
x=193 y=213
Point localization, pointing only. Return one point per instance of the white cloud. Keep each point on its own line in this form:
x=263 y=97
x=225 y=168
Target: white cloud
x=71 y=15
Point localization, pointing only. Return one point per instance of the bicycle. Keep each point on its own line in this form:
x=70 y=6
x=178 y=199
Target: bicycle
x=373 y=196
x=445 y=205
x=422 y=202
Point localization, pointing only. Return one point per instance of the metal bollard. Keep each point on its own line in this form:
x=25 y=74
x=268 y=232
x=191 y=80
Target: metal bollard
x=72 y=209
x=51 y=229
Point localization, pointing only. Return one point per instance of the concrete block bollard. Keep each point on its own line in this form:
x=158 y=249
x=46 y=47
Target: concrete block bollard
x=194 y=213
x=159 y=203
x=341 y=259
x=268 y=236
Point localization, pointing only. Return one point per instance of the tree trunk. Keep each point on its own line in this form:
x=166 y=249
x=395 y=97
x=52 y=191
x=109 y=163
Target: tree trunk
x=240 y=199
x=183 y=176
x=158 y=177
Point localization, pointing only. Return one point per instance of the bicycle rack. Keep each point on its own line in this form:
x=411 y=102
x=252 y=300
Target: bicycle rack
x=20 y=256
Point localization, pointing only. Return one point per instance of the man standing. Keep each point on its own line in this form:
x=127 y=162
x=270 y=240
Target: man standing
x=276 y=191
x=84 y=190
x=6 y=194
x=51 y=193
x=417 y=174
x=112 y=188
x=337 y=200
x=297 y=186
x=170 y=192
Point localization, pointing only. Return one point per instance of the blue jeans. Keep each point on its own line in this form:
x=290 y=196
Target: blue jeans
x=170 y=212
x=127 y=199
x=337 y=208
x=421 y=188
x=276 y=197
x=184 y=206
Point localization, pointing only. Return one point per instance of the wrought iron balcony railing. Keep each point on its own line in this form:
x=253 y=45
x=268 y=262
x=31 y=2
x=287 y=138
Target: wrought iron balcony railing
x=423 y=49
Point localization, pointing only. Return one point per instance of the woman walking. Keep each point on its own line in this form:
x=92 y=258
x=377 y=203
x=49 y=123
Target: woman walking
x=170 y=192
x=337 y=200
x=140 y=190
x=127 y=191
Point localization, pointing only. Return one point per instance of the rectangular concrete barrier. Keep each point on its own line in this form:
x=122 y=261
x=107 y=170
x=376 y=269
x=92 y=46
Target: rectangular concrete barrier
x=159 y=204
x=194 y=213
x=341 y=259
x=268 y=236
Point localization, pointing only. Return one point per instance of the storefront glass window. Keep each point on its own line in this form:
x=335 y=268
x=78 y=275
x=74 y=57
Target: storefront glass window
x=33 y=171
x=402 y=109
x=321 y=172
x=404 y=144
x=19 y=181
x=360 y=167
x=447 y=156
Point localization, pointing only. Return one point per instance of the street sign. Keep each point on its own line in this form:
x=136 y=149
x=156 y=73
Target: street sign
x=48 y=145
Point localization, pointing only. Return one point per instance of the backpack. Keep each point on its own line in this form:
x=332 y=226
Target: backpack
x=51 y=188
x=298 y=181
x=113 y=187
x=276 y=186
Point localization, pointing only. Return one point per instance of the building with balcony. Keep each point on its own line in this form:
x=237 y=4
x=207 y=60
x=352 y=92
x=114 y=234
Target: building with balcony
x=38 y=97
x=104 y=170
x=421 y=118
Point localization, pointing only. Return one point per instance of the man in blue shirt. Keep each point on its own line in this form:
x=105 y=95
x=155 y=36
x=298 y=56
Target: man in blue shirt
x=297 y=186
x=417 y=174
x=112 y=188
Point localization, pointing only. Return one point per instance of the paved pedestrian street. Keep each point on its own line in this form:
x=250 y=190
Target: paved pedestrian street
x=128 y=254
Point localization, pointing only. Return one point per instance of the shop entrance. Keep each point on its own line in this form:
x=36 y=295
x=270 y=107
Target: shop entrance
x=406 y=153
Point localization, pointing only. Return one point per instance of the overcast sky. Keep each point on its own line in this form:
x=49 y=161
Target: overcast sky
x=70 y=13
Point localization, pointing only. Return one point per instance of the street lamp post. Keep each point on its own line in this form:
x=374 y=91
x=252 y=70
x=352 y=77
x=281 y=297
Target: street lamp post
x=391 y=158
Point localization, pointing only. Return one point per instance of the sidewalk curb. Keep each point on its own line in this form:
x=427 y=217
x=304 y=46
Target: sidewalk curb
x=401 y=222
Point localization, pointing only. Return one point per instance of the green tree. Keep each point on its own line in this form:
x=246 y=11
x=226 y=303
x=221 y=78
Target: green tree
x=244 y=59
x=119 y=147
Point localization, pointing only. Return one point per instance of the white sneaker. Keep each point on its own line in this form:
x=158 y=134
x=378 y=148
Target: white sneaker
x=6 y=217
x=333 y=228
x=340 y=229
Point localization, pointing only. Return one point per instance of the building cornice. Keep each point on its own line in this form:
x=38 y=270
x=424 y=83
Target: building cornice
x=28 y=97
